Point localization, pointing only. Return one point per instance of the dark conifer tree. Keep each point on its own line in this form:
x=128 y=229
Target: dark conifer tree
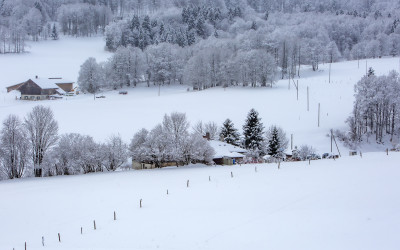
x=274 y=143
x=253 y=132
x=230 y=133
x=54 y=33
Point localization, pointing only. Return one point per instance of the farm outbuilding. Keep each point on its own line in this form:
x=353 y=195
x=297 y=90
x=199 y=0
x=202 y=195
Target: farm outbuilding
x=151 y=165
x=227 y=154
x=43 y=89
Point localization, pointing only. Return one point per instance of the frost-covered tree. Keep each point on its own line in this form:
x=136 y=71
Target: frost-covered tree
x=90 y=77
x=253 y=131
x=376 y=107
x=54 y=33
x=304 y=151
x=229 y=133
x=75 y=154
x=42 y=132
x=116 y=153
x=210 y=128
x=14 y=149
x=170 y=142
x=277 y=141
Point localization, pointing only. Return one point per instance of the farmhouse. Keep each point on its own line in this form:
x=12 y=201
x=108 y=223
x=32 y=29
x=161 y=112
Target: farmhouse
x=227 y=154
x=43 y=88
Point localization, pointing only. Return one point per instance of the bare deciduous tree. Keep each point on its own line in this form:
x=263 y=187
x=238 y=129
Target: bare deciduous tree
x=116 y=152
x=14 y=148
x=42 y=130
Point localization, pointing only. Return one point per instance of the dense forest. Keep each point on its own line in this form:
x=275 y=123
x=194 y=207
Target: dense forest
x=206 y=43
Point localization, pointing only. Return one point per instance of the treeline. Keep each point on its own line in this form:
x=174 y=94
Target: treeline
x=239 y=47
x=36 y=20
x=171 y=141
x=194 y=23
x=33 y=147
x=376 y=108
x=213 y=65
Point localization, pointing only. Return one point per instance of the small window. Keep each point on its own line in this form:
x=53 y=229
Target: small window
x=38 y=98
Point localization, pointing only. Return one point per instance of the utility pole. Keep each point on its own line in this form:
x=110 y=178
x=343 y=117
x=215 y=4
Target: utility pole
x=330 y=72
x=319 y=113
x=308 y=99
x=291 y=142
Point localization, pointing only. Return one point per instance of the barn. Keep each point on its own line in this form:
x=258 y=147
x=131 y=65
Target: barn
x=43 y=88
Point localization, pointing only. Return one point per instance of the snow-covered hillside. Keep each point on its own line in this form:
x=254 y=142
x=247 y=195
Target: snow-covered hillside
x=350 y=203
x=142 y=107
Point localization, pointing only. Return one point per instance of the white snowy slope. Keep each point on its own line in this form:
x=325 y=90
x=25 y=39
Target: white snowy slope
x=143 y=108
x=350 y=203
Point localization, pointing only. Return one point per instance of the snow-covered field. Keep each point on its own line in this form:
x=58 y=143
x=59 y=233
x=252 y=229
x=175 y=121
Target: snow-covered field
x=142 y=107
x=351 y=203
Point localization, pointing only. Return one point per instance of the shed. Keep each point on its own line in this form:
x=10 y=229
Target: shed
x=227 y=154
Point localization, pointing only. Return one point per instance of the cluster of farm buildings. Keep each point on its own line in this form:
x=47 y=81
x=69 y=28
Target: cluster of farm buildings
x=44 y=88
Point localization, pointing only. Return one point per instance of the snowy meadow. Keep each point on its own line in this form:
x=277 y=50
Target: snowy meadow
x=158 y=77
x=144 y=108
x=349 y=203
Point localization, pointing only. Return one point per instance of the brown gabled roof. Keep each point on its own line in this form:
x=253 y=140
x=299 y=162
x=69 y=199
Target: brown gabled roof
x=14 y=87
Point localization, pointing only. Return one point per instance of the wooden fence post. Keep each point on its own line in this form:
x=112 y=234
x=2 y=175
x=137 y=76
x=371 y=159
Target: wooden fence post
x=42 y=240
x=59 y=237
x=25 y=245
x=187 y=183
x=140 y=203
x=94 y=224
x=81 y=230
x=231 y=175
x=115 y=216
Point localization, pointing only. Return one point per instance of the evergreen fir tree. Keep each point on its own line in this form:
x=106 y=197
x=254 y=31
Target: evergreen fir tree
x=162 y=29
x=277 y=141
x=181 y=38
x=254 y=25
x=191 y=22
x=154 y=23
x=230 y=133
x=371 y=72
x=146 y=24
x=238 y=12
x=135 y=23
x=191 y=38
x=266 y=16
x=200 y=27
x=54 y=33
x=185 y=15
x=253 y=132
x=216 y=35
x=274 y=143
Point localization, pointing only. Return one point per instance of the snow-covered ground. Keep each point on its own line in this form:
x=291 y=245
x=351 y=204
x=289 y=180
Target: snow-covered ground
x=142 y=107
x=350 y=203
